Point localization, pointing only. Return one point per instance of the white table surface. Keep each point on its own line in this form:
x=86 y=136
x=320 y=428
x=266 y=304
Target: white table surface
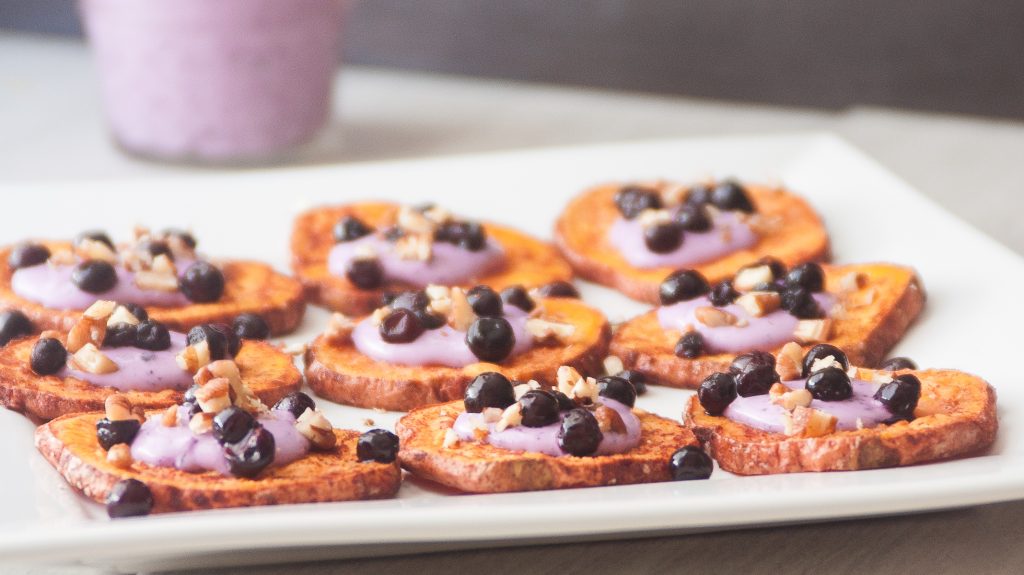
x=51 y=130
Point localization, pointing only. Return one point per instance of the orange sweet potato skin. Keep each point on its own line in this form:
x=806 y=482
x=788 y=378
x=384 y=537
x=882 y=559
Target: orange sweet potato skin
x=482 y=468
x=69 y=444
x=866 y=332
x=268 y=372
x=581 y=233
x=956 y=416
x=250 y=287
x=339 y=372
x=528 y=262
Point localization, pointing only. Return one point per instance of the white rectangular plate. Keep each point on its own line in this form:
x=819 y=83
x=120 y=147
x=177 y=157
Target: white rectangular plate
x=872 y=217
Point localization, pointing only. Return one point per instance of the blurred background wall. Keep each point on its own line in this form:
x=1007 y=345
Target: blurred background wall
x=959 y=56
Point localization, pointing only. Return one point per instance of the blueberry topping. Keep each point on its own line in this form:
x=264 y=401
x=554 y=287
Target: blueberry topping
x=663 y=238
x=202 y=283
x=251 y=455
x=377 y=445
x=232 y=424
x=690 y=345
x=120 y=335
x=723 y=294
x=156 y=248
x=808 y=276
x=580 y=434
x=558 y=288
x=28 y=255
x=216 y=341
x=129 y=498
x=96 y=236
x=538 y=408
x=185 y=237
x=365 y=273
x=234 y=342
x=775 y=287
x=489 y=389
x=467 y=235
x=295 y=403
x=754 y=373
x=694 y=218
x=417 y=302
x=485 y=302
x=190 y=394
x=617 y=388
x=690 y=463
x=830 y=384
x=491 y=338
x=730 y=195
x=136 y=310
x=94 y=276
x=801 y=304
x=48 y=356
x=897 y=363
x=393 y=234
x=900 y=396
x=400 y=326
x=631 y=200
x=250 y=326
x=716 y=392
x=682 y=285
x=152 y=335
x=638 y=380
x=350 y=228
x=13 y=324
x=564 y=402
x=516 y=295
x=110 y=433
x=751 y=361
x=820 y=351
x=193 y=409
x=698 y=195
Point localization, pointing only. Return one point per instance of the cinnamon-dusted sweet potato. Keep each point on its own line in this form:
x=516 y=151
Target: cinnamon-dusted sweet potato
x=955 y=416
x=794 y=235
x=482 y=468
x=69 y=444
x=339 y=372
x=873 y=318
x=268 y=372
x=249 y=287
x=528 y=261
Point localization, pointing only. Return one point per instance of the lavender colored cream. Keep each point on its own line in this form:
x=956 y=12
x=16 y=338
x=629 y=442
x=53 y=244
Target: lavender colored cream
x=759 y=412
x=443 y=346
x=162 y=446
x=763 y=333
x=140 y=369
x=450 y=264
x=52 y=287
x=728 y=234
x=545 y=439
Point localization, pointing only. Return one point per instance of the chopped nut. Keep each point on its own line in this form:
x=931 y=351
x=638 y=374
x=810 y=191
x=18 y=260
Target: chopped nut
x=609 y=420
x=613 y=365
x=437 y=215
x=89 y=249
x=120 y=456
x=813 y=330
x=61 y=258
x=339 y=328
x=651 y=218
x=415 y=247
x=808 y=422
x=861 y=298
x=461 y=315
x=881 y=377
x=747 y=278
x=823 y=362
x=164 y=265
x=100 y=310
x=763 y=224
x=194 y=356
x=378 y=315
x=315 y=427
x=789 y=399
x=544 y=331
x=91 y=360
x=170 y=416
x=567 y=377
x=511 y=417
x=117 y=407
x=521 y=390
x=122 y=315
x=852 y=281
x=85 y=331
x=714 y=317
x=201 y=423
x=451 y=439
x=440 y=300
x=789 y=364
x=226 y=369
x=759 y=303
x=413 y=221
x=491 y=414
x=157 y=281
x=673 y=194
x=294 y=349
x=215 y=396
x=853 y=372
x=585 y=390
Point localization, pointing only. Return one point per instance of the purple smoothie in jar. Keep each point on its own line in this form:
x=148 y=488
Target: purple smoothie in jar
x=214 y=80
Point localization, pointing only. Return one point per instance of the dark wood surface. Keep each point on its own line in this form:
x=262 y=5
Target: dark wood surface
x=953 y=56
